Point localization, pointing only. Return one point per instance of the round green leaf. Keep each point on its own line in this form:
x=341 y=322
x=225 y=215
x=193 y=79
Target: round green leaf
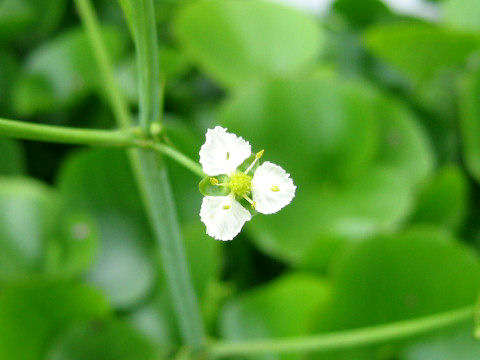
x=457 y=343
x=404 y=143
x=397 y=277
x=285 y=307
x=321 y=220
x=462 y=14
x=12 y=161
x=317 y=128
x=470 y=122
x=27 y=210
x=237 y=42
x=32 y=313
x=110 y=340
x=419 y=50
x=99 y=182
x=62 y=71
x=443 y=200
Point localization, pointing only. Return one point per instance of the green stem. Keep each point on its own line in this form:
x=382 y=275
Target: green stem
x=142 y=14
x=150 y=171
x=58 y=134
x=343 y=339
x=115 y=98
x=180 y=158
x=157 y=192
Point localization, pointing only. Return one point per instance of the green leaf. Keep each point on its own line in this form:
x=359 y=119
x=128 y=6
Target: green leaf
x=397 y=277
x=320 y=221
x=404 y=143
x=99 y=183
x=61 y=72
x=12 y=161
x=31 y=313
x=419 y=50
x=237 y=42
x=77 y=245
x=361 y=14
x=29 y=19
x=462 y=14
x=27 y=213
x=204 y=255
x=456 y=343
x=470 y=122
x=156 y=321
x=317 y=129
x=110 y=340
x=288 y=306
x=443 y=200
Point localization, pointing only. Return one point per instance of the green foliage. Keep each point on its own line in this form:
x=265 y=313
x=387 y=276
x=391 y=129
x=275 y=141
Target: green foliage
x=223 y=37
x=376 y=116
x=111 y=340
x=32 y=312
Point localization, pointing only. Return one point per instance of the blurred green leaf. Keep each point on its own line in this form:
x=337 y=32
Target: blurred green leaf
x=156 y=321
x=462 y=14
x=443 y=200
x=237 y=42
x=321 y=220
x=397 y=277
x=362 y=13
x=9 y=72
x=404 y=143
x=12 y=161
x=419 y=50
x=288 y=306
x=173 y=64
x=62 y=71
x=319 y=128
x=27 y=212
x=110 y=340
x=457 y=343
x=32 y=313
x=29 y=19
x=99 y=182
x=15 y=16
x=470 y=122
x=77 y=245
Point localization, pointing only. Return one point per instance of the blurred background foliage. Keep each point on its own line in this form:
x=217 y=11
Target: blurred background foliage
x=375 y=114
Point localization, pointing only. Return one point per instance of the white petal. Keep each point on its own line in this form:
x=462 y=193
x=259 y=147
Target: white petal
x=223 y=152
x=272 y=188
x=223 y=216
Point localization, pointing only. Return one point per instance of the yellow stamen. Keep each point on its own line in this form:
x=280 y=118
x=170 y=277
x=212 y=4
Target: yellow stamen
x=226 y=207
x=275 y=188
x=258 y=155
x=240 y=184
x=213 y=181
x=252 y=203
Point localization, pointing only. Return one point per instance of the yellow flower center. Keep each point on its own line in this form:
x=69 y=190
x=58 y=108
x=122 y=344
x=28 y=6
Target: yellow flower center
x=240 y=184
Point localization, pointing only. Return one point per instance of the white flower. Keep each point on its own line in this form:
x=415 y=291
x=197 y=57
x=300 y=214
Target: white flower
x=267 y=190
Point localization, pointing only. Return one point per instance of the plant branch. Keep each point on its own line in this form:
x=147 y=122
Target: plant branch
x=148 y=167
x=58 y=134
x=115 y=97
x=343 y=339
x=179 y=157
x=142 y=19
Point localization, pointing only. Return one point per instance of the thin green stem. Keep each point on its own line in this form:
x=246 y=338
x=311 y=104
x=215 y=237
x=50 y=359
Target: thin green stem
x=58 y=134
x=148 y=167
x=343 y=339
x=180 y=158
x=115 y=97
x=157 y=192
x=142 y=14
